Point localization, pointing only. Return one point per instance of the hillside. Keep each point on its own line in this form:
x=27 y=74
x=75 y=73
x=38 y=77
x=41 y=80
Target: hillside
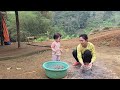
x=108 y=38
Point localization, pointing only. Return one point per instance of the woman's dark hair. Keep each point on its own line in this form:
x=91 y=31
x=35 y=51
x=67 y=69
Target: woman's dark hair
x=57 y=35
x=84 y=36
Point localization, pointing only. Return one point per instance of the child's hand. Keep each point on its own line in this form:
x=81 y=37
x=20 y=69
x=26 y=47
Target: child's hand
x=61 y=50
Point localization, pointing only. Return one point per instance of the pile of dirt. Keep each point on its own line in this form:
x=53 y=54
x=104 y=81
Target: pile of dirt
x=106 y=38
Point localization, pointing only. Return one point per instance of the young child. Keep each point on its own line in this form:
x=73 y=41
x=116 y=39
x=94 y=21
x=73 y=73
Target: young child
x=55 y=46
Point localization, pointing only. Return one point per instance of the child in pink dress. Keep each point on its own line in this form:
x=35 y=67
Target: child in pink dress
x=55 y=46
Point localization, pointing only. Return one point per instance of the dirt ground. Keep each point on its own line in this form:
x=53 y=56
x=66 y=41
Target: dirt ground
x=26 y=62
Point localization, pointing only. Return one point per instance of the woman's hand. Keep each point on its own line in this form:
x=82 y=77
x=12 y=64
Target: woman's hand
x=82 y=65
x=89 y=65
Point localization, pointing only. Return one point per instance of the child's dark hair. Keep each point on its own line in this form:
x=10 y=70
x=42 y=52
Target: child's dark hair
x=84 y=36
x=57 y=35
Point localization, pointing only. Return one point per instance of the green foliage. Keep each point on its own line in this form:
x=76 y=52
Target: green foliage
x=32 y=23
x=43 y=38
x=43 y=24
x=74 y=21
x=11 y=25
x=87 y=30
x=107 y=15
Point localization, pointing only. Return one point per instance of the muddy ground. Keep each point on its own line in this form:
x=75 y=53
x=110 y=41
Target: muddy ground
x=18 y=64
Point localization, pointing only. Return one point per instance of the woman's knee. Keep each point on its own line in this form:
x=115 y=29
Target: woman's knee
x=74 y=52
x=87 y=52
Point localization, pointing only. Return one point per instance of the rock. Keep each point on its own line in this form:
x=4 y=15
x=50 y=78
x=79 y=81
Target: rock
x=9 y=68
x=18 y=68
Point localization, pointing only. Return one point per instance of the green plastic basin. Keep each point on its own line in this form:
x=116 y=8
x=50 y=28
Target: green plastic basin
x=55 y=69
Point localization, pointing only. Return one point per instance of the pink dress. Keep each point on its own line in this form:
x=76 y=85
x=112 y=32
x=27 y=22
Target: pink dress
x=55 y=46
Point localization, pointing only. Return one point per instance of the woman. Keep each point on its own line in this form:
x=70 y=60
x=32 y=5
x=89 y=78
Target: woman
x=85 y=52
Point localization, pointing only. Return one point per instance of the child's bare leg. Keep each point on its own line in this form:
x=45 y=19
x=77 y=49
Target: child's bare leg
x=58 y=57
x=54 y=57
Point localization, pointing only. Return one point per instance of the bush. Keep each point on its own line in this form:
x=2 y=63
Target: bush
x=43 y=38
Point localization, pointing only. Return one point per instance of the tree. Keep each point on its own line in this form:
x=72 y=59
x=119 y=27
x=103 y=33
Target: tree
x=1 y=31
x=17 y=25
x=107 y=15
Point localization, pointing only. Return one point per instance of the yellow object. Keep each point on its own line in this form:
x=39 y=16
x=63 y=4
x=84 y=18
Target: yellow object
x=80 y=51
x=67 y=50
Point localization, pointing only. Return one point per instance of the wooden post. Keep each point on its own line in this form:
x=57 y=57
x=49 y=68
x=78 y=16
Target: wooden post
x=1 y=29
x=17 y=25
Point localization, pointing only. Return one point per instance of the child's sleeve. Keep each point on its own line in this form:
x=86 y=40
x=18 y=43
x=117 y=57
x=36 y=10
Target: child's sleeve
x=53 y=47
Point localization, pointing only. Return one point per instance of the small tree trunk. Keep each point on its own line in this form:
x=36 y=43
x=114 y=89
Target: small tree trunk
x=17 y=25
x=1 y=29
